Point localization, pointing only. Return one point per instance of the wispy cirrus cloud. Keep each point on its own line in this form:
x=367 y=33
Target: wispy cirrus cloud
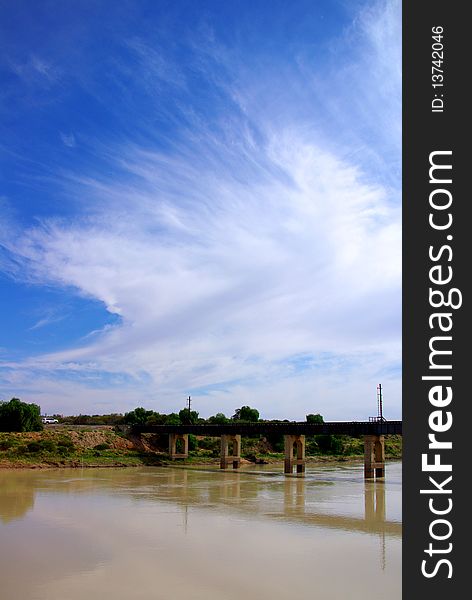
x=35 y=70
x=45 y=321
x=68 y=139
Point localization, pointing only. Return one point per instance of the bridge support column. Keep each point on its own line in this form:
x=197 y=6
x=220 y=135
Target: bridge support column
x=235 y=457
x=291 y=442
x=374 y=456
x=173 y=438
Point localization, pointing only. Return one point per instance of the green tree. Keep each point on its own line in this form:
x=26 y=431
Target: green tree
x=81 y=420
x=246 y=413
x=316 y=419
x=218 y=419
x=156 y=419
x=20 y=416
x=329 y=444
x=173 y=419
x=138 y=416
x=188 y=417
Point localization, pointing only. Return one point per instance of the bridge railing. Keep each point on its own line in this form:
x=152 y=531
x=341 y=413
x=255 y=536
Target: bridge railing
x=352 y=428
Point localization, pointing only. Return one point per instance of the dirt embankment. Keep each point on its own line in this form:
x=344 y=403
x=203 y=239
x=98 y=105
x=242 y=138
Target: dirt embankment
x=74 y=446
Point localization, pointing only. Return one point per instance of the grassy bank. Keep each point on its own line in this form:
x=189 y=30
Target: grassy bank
x=69 y=446
x=61 y=447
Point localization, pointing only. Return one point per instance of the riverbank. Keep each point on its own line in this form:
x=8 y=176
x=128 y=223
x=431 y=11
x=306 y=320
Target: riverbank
x=81 y=447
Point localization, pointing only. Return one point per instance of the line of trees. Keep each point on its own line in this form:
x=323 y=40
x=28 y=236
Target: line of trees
x=141 y=416
x=16 y=415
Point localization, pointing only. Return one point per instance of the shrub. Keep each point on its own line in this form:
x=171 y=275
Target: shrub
x=188 y=417
x=65 y=446
x=312 y=447
x=329 y=444
x=20 y=416
x=6 y=444
x=246 y=413
x=316 y=419
x=63 y=450
x=33 y=447
x=172 y=419
x=209 y=443
x=141 y=416
x=218 y=419
x=276 y=440
x=48 y=445
x=67 y=442
x=101 y=447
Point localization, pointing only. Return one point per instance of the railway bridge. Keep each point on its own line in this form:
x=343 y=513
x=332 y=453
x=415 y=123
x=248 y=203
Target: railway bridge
x=294 y=433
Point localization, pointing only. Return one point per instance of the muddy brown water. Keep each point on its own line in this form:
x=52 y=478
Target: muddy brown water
x=201 y=534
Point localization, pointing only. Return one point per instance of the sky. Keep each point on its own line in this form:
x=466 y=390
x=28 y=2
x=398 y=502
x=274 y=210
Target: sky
x=201 y=198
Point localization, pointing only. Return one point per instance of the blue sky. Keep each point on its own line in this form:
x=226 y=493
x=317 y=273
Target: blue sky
x=201 y=198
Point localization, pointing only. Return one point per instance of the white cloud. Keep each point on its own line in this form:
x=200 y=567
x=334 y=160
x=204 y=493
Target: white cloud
x=255 y=241
x=35 y=70
x=68 y=139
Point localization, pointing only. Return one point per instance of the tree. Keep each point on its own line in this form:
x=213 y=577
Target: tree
x=156 y=419
x=173 y=419
x=20 y=416
x=246 y=413
x=188 y=417
x=329 y=444
x=138 y=416
x=218 y=419
x=316 y=419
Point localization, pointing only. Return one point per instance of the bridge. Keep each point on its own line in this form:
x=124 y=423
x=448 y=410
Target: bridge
x=294 y=433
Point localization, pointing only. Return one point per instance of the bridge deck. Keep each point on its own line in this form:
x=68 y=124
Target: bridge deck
x=352 y=428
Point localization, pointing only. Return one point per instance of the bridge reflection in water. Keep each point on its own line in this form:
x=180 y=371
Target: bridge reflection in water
x=235 y=488
x=241 y=489
x=296 y=508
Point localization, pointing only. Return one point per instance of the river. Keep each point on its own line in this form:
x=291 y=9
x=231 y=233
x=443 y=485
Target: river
x=201 y=534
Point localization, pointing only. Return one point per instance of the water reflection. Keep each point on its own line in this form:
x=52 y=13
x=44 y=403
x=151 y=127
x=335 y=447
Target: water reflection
x=16 y=497
x=209 y=488
x=374 y=494
x=294 y=495
x=199 y=533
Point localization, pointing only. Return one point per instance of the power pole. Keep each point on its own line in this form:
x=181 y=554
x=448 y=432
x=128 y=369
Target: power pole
x=189 y=400
x=379 y=402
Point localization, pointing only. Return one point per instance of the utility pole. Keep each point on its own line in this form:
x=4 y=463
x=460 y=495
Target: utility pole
x=379 y=402
x=189 y=400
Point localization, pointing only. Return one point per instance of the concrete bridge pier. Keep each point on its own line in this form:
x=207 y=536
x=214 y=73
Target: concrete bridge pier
x=173 y=450
x=374 y=456
x=292 y=443
x=235 y=457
